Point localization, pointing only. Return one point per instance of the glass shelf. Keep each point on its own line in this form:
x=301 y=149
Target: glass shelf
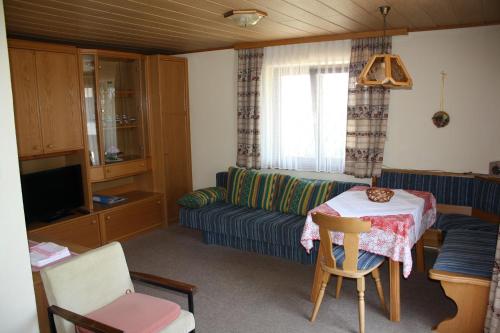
x=113 y=106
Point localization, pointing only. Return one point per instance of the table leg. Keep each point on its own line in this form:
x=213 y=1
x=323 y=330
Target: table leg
x=317 y=277
x=419 y=249
x=394 y=276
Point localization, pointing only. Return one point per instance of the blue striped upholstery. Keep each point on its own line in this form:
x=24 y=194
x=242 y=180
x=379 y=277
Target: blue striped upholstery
x=446 y=222
x=294 y=253
x=487 y=196
x=243 y=222
x=448 y=190
x=468 y=252
x=366 y=260
x=344 y=186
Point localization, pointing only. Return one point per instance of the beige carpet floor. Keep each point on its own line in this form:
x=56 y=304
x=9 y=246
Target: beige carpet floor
x=246 y=292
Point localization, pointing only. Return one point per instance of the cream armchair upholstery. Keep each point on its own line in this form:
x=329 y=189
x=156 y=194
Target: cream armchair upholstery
x=96 y=278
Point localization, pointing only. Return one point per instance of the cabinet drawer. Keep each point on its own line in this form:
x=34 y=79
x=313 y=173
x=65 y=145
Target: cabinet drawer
x=82 y=231
x=130 y=219
x=124 y=169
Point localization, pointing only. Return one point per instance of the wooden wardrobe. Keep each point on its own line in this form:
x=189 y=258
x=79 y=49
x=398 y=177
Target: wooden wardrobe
x=168 y=85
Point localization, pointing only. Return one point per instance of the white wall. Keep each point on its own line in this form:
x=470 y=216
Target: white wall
x=471 y=58
x=212 y=102
x=17 y=303
x=472 y=139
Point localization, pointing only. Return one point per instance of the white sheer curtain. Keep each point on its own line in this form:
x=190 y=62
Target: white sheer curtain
x=304 y=106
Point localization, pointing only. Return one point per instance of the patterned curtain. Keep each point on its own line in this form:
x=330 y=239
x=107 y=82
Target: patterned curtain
x=367 y=110
x=249 y=78
x=492 y=323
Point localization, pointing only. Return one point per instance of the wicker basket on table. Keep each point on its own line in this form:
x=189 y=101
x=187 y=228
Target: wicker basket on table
x=377 y=194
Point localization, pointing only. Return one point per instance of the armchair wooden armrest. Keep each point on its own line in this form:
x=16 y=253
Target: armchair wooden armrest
x=182 y=287
x=78 y=320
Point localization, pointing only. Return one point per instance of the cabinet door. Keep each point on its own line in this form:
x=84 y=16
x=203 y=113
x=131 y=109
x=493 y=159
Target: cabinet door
x=82 y=231
x=175 y=124
x=59 y=98
x=23 y=72
x=132 y=218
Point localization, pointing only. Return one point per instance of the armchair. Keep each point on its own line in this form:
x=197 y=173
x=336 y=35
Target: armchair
x=94 y=293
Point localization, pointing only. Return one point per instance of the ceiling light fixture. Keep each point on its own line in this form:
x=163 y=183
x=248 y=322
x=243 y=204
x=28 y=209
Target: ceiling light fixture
x=385 y=69
x=245 y=17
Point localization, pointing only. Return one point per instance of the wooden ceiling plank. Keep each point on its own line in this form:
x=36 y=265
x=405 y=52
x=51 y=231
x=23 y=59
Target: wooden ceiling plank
x=53 y=34
x=468 y=11
x=412 y=11
x=441 y=12
x=394 y=20
x=491 y=11
x=215 y=12
x=142 y=34
x=299 y=14
x=86 y=33
x=329 y=14
x=97 y=11
x=354 y=12
x=94 y=30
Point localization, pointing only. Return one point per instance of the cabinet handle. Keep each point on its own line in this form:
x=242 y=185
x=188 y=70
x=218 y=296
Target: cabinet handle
x=50 y=146
x=35 y=148
x=108 y=217
x=93 y=222
x=158 y=202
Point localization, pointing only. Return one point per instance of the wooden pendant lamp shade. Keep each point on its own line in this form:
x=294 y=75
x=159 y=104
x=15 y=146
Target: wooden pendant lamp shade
x=385 y=70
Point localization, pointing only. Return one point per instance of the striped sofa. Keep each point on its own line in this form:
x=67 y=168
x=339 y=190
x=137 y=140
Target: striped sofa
x=248 y=222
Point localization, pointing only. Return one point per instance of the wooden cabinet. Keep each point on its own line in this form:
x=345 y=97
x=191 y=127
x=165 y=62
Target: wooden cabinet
x=83 y=231
x=169 y=100
x=46 y=98
x=124 y=221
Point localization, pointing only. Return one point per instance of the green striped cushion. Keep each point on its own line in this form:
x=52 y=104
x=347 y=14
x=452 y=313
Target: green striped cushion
x=246 y=197
x=235 y=178
x=309 y=194
x=286 y=186
x=265 y=190
x=203 y=197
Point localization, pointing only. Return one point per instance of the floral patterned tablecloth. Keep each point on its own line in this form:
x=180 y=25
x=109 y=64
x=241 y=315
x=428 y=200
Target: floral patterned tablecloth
x=392 y=236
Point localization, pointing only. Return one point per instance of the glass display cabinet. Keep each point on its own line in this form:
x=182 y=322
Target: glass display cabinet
x=112 y=84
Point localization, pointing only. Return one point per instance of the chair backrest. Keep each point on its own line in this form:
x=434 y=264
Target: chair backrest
x=351 y=227
x=87 y=282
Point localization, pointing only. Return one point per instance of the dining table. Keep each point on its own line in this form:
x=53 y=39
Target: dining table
x=396 y=227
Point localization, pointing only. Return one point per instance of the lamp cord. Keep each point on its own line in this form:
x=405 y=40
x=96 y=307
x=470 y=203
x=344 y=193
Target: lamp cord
x=443 y=76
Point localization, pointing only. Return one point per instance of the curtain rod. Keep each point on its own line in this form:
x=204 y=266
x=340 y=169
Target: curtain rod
x=323 y=38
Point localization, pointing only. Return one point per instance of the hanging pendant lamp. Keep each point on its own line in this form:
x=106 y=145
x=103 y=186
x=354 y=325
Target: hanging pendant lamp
x=385 y=69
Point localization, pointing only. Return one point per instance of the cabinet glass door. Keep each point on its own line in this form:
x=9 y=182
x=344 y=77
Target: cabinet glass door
x=120 y=107
x=89 y=93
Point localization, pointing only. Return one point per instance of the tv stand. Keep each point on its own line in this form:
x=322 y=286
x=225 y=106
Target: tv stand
x=142 y=211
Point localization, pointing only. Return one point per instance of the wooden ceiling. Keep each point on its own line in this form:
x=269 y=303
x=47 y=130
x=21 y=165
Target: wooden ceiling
x=176 y=26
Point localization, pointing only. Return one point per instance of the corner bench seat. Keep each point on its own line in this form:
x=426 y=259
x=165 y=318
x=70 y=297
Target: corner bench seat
x=447 y=222
x=464 y=267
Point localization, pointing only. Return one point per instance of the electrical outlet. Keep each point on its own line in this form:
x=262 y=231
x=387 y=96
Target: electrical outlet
x=495 y=168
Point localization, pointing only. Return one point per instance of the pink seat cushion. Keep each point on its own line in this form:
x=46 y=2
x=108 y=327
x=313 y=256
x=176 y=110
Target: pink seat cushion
x=136 y=313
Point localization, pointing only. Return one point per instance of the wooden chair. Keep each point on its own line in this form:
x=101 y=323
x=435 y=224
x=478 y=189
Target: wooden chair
x=346 y=261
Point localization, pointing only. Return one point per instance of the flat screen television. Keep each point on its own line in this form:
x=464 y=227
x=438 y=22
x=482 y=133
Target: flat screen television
x=52 y=194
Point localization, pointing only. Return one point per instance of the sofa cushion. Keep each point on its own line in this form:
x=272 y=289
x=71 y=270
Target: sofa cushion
x=203 y=197
x=265 y=190
x=246 y=196
x=487 y=195
x=309 y=194
x=446 y=222
x=286 y=186
x=254 y=224
x=468 y=252
x=235 y=179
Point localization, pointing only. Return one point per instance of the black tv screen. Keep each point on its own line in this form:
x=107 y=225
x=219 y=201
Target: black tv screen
x=52 y=194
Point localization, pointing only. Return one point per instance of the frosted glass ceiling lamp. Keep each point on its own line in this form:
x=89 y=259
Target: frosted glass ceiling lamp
x=245 y=17
x=386 y=70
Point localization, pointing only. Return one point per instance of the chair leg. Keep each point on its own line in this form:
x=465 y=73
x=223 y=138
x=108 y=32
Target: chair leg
x=361 y=295
x=339 y=287
x=380 y=291
x=319 y=299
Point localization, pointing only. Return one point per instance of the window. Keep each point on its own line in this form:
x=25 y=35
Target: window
x=304 y=107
